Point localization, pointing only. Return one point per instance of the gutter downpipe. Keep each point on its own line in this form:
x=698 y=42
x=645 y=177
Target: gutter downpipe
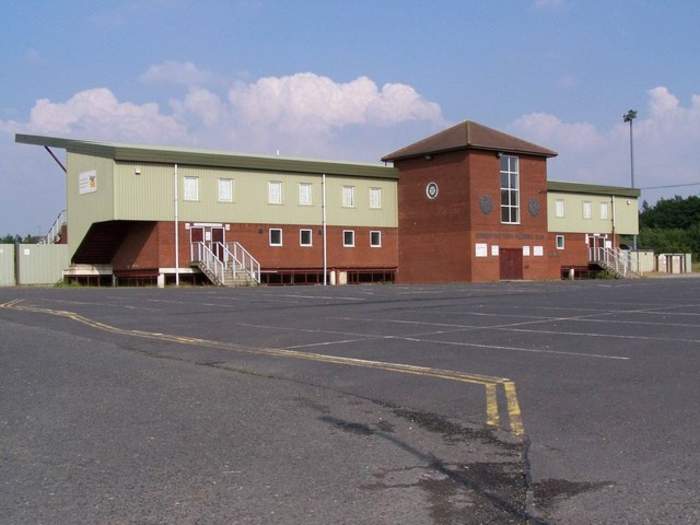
x=325 y=241
x=177 y=236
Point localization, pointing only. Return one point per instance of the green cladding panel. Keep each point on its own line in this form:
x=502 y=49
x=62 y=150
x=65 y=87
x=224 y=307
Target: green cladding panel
x=608 y=213
x=42 y=263
x=7 y=264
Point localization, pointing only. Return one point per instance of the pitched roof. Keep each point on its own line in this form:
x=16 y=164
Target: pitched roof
x=469 y=135
x=199 y=157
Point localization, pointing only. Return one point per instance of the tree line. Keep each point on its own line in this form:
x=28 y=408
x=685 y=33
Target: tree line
x=671 y=225
x=18 y=239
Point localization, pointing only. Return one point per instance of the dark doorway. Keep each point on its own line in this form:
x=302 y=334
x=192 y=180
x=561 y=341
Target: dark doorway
x=511 y=263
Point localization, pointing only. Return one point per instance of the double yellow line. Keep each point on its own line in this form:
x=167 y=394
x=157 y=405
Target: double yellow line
x=491 y=384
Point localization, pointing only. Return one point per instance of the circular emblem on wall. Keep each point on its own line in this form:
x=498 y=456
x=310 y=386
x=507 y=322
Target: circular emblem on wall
x=432 y=190
x=485 y=204
x=533 y=206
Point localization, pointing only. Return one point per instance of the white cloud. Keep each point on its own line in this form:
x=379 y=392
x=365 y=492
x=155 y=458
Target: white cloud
x=666 y=136
x=173 y=72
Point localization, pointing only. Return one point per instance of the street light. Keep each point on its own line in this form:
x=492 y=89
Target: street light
x=629 y=117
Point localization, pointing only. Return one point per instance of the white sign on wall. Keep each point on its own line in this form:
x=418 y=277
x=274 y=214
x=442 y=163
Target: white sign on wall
x=481 y=249
x=526 y=251
x=494 y=250
x=538 y=251
x=87 y=182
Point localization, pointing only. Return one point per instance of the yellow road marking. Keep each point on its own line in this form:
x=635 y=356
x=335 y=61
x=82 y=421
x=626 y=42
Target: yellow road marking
x=490 y=383
x=516 y=421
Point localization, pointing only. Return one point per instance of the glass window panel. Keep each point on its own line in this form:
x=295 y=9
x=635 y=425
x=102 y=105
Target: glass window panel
x=305 y=237
x=513 y=180
x=275 y=237
x=505 y=214
x=504 y=197
x=504 y=162
x=504 y=180
x=514 y=215
x=513 y=164
x=375 y=238
x=348 y=238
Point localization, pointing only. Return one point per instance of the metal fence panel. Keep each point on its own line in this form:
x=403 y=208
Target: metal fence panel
x=7 y=264
x=42 y=263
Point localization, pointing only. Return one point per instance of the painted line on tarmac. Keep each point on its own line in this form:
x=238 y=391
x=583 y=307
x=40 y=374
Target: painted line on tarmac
x=488 y=382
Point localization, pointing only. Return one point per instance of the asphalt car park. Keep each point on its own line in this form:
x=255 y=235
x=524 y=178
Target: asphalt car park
x=563 y=402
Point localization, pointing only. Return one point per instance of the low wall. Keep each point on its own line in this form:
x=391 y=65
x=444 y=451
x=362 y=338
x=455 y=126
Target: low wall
x=32 y=264
x=7 y=264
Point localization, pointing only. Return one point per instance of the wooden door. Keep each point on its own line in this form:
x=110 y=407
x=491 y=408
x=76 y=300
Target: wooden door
x=217 y=239
x=511 y=263
x=196 y=235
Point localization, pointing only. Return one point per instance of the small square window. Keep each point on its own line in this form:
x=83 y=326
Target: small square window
x=305 y=195
x=375 y=198
x=348 y=238
x=375 y=239
x=348 y=196
x=560 y=242
x=191 y=188
x=274 y=192
x=225 y=190
x=275 y=237
x=305 y=238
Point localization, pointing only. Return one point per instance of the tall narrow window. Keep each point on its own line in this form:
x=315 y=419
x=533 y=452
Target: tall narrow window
x=375 y=198
x=559 y=208
x=559 y=239
x=225 y=190
x=375 y=239
x=305 y=194
x=510 y=190
x=274 y=193
x=604 y=213
x=587 y=210
x=348 y=196
x=191 y=188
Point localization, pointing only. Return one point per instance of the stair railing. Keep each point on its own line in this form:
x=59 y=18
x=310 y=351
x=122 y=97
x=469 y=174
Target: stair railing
x=203 y=255
x=613 y=259
x=246 y=262
x=55 y=229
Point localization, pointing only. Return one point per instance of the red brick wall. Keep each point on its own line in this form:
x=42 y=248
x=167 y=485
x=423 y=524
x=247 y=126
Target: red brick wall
x=433 y=239
x=484 y=180
x=151 y=245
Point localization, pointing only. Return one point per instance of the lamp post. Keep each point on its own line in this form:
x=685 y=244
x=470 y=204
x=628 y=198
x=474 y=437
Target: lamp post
x=629 y=117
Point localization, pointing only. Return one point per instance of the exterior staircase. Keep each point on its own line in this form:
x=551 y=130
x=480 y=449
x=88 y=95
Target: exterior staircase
x=58 y=233
x=228 y=265
x=617 y=262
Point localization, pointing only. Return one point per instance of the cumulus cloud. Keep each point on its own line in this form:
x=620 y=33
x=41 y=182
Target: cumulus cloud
x=666 y=136
x=173 y=72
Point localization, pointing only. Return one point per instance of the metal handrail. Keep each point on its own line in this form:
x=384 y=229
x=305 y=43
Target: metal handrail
x=55 y=228
x=614 y=259
x=201 y=253
x=244 y=258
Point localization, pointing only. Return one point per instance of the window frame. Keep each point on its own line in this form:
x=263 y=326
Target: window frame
x=311 y=237
x=311 y=194
x=508 y=172
x=563 y=208
x=185 y=179
x=353 y=203
x=270 y=183
x=563 y=242
x=379 y=233
x=218 y=189
x=604 y=206
x=345 y=245
x=269 y=237
x=589 y=208
x=379 y=192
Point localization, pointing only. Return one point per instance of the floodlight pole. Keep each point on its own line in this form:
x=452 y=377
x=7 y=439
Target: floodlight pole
x=629 y=117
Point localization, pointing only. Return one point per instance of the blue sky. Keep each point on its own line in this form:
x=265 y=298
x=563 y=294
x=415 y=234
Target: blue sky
x=348 y=80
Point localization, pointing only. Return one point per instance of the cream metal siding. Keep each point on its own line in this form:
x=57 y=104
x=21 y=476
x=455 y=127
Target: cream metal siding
x=7 y=264
x=87 y=208
x=149 y=196
x=42 y=263
x=624 y=213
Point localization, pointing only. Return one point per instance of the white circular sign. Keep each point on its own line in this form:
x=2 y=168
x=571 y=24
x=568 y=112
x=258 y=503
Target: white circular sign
x=432 y=190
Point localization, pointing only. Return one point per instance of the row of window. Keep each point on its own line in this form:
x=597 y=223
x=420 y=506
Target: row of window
x=226 y=190
x=587 y=209
x=306 y=238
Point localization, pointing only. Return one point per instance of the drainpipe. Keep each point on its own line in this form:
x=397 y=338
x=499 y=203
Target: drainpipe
x=325 y=241
x=177 y=233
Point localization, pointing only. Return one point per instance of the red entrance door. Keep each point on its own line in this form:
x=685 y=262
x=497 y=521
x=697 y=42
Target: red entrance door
x=217 y=240
x=511 y=263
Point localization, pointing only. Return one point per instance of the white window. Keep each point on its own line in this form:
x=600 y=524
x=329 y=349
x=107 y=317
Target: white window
x=191 y=187
x=560 y=242
x=225 y=190
x=510 y=190
x=305 y=196
x=375 y=198
x=349 y=238
x=559 y=208
x=348 y=196
x=275 y=236
x=274 y=193
x=604 y=211
x=587 y=210
x=305 y=238
x=375 y=239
